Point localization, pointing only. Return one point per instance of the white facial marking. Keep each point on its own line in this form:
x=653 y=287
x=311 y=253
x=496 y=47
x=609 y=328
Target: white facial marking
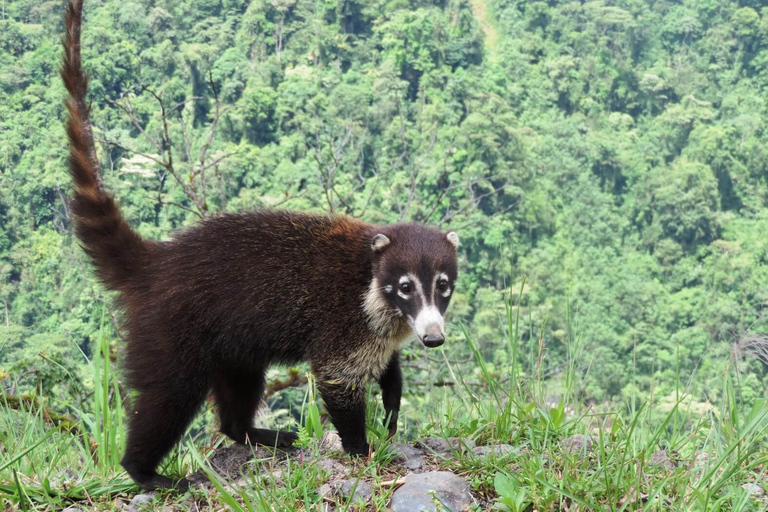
x=428 y=318
x=447 y=291
x=388 y=288
x=381 y=317
x=416 y=284
x=404 y=279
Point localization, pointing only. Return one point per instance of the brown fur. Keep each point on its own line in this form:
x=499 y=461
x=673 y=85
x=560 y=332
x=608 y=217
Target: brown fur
x=214 y=307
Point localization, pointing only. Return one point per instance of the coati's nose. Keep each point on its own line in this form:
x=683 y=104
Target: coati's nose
x=433 y=340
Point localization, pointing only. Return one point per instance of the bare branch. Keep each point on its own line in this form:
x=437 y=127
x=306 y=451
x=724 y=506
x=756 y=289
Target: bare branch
x=128 y=109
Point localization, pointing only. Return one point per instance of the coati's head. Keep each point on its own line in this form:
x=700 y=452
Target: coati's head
x=414 y=276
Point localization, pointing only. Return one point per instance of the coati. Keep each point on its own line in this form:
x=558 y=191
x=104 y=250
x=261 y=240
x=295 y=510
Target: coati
x=211 y=309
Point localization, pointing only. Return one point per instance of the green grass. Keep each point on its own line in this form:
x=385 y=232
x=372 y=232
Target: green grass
x=45 y=467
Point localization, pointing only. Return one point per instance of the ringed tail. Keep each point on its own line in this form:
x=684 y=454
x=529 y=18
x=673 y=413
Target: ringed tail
x=116 y=250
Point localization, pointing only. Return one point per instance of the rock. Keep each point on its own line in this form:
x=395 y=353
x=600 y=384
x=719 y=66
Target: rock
x=446 y=447
x=362 y=489
x=332 y=467
x=404 y=452
x=754 y=489
x=579 y=444
x=72 y=509
x=661 y=459
x=414 y=464
x=140 y=502
x=330 y=442
x=420 y=492
x=324 y=490
x=228 y=461
x=496 y=450
x=408 y=457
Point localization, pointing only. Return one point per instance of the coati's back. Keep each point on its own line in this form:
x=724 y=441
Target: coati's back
x=270 y=282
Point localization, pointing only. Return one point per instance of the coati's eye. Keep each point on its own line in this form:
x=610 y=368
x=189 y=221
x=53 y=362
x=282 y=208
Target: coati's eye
x=442 y=285
x=405 y=287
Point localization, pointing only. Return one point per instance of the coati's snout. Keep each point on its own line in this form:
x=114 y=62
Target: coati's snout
x=416 y=272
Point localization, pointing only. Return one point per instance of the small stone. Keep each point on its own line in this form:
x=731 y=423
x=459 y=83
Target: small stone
x=496 y=450
x=139 y=501
x=446 y=447
x=72 y=509
x=228 y=461
x=414 y=464
x=577 y=445
x=332 y=467
x=421 y=491
x=324 y=490
x=661 y=459
x=330 y=442
x=362 y=489
x=408 y=457
x=404 y=452
x=754 y=489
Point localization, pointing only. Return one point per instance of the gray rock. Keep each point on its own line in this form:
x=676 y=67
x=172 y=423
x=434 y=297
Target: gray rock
x=408 y=457
x=228 y=461
x=140 y=502
x=579 y=444
x=420 y=492
x=661 y=459
x=332 y=467
x=362 y=489
x=330 y=442
x=414 y=464
x=324 y=490
x=72 y=509
x=754 y=489
x=497 y=450
x=446 y=447
x=404 y=452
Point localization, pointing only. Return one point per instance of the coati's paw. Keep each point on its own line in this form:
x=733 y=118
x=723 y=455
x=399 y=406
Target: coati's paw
x=163 y=482
x=286 y=439
x=274 y=438
x=357 y=450
x=151 y=480
x=392 y=425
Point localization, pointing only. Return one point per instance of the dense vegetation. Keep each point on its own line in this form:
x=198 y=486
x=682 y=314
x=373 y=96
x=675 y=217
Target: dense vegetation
x=608 y=158
x=612 y=152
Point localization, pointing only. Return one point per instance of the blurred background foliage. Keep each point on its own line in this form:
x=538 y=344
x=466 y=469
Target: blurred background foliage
x=611 y=152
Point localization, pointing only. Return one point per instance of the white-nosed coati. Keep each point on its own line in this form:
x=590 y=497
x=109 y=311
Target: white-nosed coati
x=214 y=307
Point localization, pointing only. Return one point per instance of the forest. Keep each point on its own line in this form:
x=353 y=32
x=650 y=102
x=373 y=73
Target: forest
x=605 y=163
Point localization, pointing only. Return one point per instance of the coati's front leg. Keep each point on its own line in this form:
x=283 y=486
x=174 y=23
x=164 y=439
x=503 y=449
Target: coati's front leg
x=346 y=405
x=391 y=383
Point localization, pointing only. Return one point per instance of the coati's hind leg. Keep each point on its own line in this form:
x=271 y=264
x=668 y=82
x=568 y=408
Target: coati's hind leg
x=238 y=395
x=158 y=420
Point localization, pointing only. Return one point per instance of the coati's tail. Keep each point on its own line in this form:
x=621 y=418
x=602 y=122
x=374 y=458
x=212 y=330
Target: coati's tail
x=116 y=250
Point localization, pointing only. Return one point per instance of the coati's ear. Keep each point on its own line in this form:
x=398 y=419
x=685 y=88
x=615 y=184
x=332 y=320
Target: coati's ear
x=454 y=239
x=379 y=242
